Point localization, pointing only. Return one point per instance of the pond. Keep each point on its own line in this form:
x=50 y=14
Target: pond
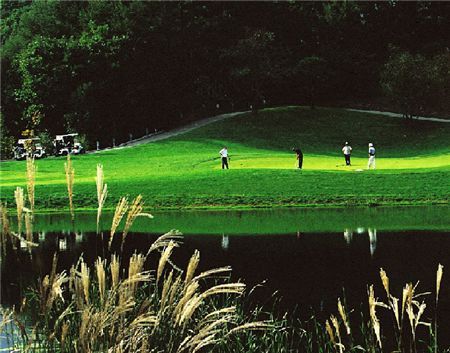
x=309 y=257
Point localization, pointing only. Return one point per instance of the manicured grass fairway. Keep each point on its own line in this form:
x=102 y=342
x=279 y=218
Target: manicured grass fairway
x=413 y=164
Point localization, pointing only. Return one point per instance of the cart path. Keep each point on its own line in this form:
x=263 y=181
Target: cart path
x=178 y=131
x=196 y=124
x=397 y=115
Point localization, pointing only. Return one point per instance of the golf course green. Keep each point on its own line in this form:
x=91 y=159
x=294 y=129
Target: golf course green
x=184 y=171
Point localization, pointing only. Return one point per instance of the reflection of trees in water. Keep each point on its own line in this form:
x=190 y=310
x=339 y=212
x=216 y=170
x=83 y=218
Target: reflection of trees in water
x=372 y=240
x=64 y=241
x=348 y=236
x=225 y=242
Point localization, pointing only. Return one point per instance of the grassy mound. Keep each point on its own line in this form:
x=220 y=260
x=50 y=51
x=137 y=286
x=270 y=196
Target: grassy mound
x=413 y=164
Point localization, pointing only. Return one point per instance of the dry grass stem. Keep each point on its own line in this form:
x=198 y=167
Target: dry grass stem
x=343 y=314
x=385 y=281
x=115 y=270
x=228 y=288
x=192 y=266
x=439 y=273
x=20 y=203
x=167 y=286
x=335 y=324
x=164 y=258
x=252 y=326
x=162 y=241
x=4 y=219
x=29 y=227
x=373 y=316
x=85 y=280
x=213 y=272
x=135 y=271
x=5 y=231
x=330 y=332
x=121 y=209
x=414 y=318
x=101 y=278
x=70 y=177
x=31 y=181
x=408 y=293
x=135 y=210
x=102 y=192
x=231 y=310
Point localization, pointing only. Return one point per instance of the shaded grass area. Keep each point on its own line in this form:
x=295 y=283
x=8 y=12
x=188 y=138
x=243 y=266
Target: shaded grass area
x=413 y=165
x=323 y=131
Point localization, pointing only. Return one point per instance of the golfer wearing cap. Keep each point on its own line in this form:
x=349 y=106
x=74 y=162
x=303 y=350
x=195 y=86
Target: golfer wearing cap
x=347 y=150
x=371 y=162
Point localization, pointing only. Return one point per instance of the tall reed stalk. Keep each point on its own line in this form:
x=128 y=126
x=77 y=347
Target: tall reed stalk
x=4 y=219
x=439 y=274
x=31 y=181
x=70 y=177
x=29 y=227
x=128 y=312
x=134 y=211
x=102 y=192
x=375 y=323
x=20 y=203
x=121 y=209
x=5 y=231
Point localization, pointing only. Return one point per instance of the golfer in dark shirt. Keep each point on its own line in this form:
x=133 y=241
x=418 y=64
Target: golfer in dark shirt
x=299 y=154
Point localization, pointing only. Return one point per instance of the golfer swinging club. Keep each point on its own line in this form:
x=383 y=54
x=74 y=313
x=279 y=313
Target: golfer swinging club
x=224 y=154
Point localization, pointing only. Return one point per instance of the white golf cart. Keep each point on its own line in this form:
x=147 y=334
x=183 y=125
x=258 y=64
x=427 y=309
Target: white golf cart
x=30 y=147
x=65 y=144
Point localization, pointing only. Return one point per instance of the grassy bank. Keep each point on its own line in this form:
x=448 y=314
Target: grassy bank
x=413 y=165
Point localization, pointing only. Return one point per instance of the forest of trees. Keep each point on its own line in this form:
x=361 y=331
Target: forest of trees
x=108 y=69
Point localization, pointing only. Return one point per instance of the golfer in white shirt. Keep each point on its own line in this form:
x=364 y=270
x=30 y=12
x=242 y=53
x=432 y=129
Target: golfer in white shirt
x=371 y=162
x=347 y=150
x=224 y=154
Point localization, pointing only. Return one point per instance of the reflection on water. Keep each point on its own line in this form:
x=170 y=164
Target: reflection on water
x=225 y=242
x=372 y=240
x=305 y=268
x=348 y=236
x=278 y=221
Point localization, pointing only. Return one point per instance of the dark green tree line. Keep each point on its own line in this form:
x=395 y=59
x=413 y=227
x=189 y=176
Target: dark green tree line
x=108 y=69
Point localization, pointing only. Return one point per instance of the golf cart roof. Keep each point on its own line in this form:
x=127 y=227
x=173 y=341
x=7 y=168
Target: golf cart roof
x=61 y=137
x=22 y=141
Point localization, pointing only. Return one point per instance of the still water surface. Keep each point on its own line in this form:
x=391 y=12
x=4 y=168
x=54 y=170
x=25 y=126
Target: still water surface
x=308 y=263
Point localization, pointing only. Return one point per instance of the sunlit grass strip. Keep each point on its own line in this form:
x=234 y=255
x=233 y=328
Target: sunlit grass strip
x=31 y=181
x=102 y=192
x=70 y=177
